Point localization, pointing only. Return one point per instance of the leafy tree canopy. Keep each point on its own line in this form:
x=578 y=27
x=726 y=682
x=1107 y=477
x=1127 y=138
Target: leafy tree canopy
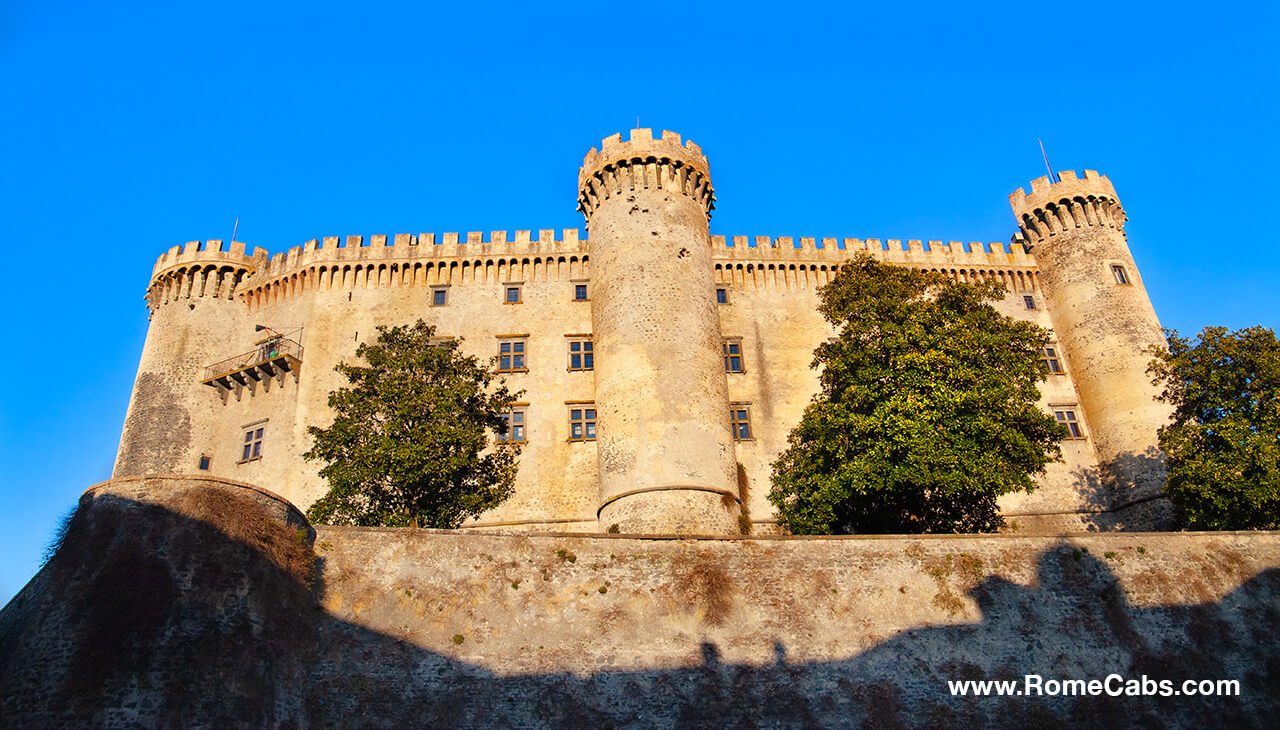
x=927 y=410
x=1223 y=443
x=409 y=446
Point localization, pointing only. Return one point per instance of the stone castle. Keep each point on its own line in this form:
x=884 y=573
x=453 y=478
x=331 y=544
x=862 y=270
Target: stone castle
x=663 y=367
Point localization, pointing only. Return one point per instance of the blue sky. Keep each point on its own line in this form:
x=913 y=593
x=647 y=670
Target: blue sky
x=127 y=128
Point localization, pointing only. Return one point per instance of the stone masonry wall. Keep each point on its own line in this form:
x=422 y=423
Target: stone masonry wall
x=163 y=610
x=1106 y=322
x=812 y=632
x=339 y=290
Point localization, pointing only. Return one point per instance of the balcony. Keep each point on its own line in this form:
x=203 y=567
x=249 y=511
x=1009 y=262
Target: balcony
x=273 y=356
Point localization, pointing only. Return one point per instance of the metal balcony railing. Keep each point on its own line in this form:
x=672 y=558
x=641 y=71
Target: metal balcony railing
x=272 y=356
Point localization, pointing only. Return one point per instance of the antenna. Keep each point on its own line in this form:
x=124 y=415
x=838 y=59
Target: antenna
x=637 y=121
x=1052 y=175
x=233 y=230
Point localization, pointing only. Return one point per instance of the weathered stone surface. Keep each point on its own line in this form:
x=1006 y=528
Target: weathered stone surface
x=665 y=448
x=451 y=629
x=651 y=269
x=1105 y=321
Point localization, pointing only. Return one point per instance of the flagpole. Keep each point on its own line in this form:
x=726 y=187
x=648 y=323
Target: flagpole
x=1053 y=177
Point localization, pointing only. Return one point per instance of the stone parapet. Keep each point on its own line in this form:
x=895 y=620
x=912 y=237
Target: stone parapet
x=1055 y=207
x=644 y=163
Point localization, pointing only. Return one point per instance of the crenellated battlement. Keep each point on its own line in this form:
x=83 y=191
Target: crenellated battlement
x=1071 y=202
x=644 y=162
x=787 y=262
x=422 y=259
x=420 y=246
x=202 y=269
x=427 y=259
x=213 y=252
x=891 y=249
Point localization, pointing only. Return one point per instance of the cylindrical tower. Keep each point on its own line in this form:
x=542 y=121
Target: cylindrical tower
x=665 y=447
x=193 y=313
x=1104 y=320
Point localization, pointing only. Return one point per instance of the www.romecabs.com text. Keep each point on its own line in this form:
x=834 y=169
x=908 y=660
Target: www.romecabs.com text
x=1114 y=685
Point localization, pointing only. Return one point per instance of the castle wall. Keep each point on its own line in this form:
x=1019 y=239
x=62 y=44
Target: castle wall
x=339 y=290
x=839 y=631
x=1107 y=324
x=193 y=304
x=338 y=295
x=182 y=601
x=772 y=292
x=665 y=448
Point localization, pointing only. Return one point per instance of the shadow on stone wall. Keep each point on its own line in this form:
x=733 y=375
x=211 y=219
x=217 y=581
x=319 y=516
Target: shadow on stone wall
x=1128 y=493
x=170 y=616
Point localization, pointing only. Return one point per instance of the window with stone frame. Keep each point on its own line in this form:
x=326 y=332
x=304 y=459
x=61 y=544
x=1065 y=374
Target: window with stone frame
x=517 y=426
x=733 y=355
x=1066 y=417
x=581 y=354
x=512 y=352
x=582 y=421
x=253 y=438
x=1049 y=356
x=740 y=419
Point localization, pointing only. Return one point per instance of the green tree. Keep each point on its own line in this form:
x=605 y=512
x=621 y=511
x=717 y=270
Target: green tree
x=1223 y=443
x=927 y=410
x=409 y=445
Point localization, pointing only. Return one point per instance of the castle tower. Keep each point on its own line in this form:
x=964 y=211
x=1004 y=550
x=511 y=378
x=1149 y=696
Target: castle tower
x=665 y=449
x=1104 y=320
x=193 y=311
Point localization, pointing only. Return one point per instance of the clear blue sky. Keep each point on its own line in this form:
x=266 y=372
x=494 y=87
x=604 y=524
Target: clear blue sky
x=127 y=128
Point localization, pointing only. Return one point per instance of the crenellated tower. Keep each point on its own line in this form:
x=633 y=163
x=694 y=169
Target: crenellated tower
x=193 y=305
x=665 y=448
x=1104 y=320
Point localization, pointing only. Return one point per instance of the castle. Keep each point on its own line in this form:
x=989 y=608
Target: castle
x=663 y=367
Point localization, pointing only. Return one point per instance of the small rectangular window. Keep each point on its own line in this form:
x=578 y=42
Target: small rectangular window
x=1030 y=301
x=439 y=297
x=511 y=355
x=722 y=295
x=1067 y=419
x=516 y=426
x=205 y=462
x=513 y=295
x=582 y=422
x=733 y=356
x=579 y=292
x=1049 y=356
x=740 y=417
x=581 y=356
x=252 y=444
x=1118 y=272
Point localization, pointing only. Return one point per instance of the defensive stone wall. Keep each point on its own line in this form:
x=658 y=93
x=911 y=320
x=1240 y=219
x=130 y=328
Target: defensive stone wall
x=338 y=289
x=450 y=629
x=1103 y=315
x=207 y=300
